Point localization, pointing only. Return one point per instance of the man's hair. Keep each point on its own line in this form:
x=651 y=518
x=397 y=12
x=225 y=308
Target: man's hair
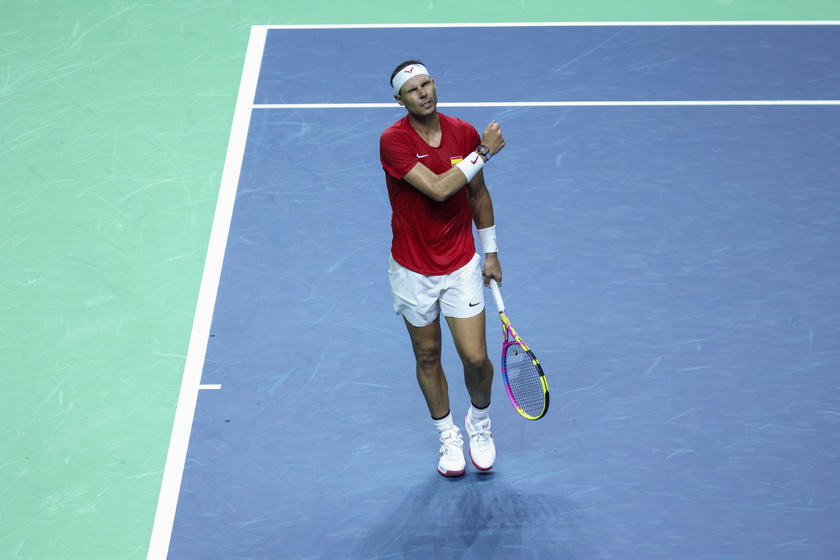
x=401 y=66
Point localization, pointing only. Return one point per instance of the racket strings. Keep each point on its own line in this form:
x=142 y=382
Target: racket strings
x=524 y=380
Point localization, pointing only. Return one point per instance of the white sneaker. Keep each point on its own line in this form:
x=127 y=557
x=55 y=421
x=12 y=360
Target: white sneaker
x=452 y=461
x=482 y=448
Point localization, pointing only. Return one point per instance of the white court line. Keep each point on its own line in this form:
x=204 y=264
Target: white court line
x=559 y=24
x=686 y=103
x=210 y=387
x=191 y=382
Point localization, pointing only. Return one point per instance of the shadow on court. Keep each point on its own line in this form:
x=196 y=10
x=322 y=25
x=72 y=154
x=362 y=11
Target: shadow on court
x=478 y=516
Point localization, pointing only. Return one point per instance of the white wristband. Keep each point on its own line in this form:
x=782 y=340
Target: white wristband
x=487 y=236
x=470 y=165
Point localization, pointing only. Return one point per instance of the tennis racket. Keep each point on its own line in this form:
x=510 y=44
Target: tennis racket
x=525 y=382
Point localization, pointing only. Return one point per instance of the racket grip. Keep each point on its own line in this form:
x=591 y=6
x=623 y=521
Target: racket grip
x=497 y=295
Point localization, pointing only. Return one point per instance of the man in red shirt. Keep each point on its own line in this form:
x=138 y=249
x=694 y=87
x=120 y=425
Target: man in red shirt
x=433 y=169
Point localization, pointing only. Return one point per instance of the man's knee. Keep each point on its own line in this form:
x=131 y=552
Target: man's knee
x=477 y=361
x=427 y=353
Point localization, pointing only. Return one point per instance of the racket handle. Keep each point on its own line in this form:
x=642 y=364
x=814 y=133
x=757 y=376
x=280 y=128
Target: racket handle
x=497 y=295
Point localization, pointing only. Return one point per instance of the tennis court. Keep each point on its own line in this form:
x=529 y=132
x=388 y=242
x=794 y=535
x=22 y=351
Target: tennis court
x=199 y=355
x=668 y=222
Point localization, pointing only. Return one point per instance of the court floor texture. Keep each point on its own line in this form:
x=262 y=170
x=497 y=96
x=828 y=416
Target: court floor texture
x=667 y=210
x=200 y=358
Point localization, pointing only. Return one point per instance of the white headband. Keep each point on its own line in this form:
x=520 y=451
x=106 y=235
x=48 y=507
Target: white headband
x=406 y=74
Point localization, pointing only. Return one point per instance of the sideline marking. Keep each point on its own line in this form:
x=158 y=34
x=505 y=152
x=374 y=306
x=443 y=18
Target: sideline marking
x=191 y=383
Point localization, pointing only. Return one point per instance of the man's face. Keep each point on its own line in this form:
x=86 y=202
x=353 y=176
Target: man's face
x=419 y=96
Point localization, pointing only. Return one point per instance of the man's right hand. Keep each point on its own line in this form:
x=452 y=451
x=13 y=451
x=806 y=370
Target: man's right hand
x=492 y=138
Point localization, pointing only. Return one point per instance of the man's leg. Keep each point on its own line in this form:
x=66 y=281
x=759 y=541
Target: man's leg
x=471 y=343
x=426 y=343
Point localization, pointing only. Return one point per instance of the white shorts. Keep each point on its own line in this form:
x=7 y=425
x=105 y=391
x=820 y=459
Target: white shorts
x=421 y=299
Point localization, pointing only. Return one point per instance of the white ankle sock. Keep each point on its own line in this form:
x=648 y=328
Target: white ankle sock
x=444 y=423
x=477 y=416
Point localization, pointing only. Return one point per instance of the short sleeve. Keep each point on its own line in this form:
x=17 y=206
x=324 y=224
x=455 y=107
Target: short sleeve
x=397 y=153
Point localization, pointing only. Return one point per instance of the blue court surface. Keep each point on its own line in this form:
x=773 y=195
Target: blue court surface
x=668 y=213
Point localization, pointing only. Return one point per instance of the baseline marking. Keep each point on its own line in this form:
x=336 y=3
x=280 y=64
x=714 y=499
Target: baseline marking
x=558 y=24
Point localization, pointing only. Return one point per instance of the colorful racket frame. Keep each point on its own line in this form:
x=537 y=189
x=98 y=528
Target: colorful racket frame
x=512 y=338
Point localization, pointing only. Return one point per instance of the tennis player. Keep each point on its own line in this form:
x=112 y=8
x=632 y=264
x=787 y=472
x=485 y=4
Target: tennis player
x=433 y=169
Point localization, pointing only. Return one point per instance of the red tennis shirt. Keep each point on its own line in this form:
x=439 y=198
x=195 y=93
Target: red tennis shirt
x=430 y=237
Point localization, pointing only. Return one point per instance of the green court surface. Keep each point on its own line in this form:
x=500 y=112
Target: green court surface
x=115 y=122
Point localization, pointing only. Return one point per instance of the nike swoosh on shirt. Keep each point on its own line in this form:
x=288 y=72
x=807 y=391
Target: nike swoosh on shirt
x=474 y=304
x=422 y=156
